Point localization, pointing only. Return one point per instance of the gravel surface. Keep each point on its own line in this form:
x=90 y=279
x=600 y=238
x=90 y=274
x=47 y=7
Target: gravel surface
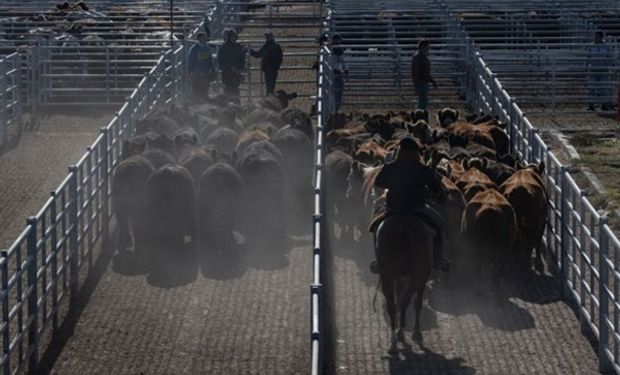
x=38 y=163
x=532 y=331
x=247 y=316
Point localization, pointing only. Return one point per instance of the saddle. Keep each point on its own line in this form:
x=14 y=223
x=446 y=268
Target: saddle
x=421 y=213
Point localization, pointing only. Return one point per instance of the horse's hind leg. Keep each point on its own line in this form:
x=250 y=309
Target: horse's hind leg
x=387 y=287
x=419 y=298
x=403 y=309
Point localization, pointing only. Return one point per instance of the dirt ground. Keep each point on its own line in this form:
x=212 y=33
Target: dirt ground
x=38 y=162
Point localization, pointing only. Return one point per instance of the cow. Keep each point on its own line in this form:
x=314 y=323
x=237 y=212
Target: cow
x=526 y=192
x=473 y=181
x=128 y=185
x=263 y=220
x=489 y=233
x=170 y=208
x=218 y=205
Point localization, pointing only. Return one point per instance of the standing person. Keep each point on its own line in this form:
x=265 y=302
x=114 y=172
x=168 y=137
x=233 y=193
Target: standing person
x=339 y=66
x=600 y=59
x=200 y=67
x=421 y=73
x=271 y=55
x=231 y=60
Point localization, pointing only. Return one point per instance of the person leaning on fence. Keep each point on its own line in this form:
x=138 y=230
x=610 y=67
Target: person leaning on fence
x=271 y=60
x=421 y=73
x=200 y=67
x=600 y=60
x=340 y=69
x=231 y=60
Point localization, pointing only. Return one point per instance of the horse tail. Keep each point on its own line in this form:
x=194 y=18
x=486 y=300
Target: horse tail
x=374 y=298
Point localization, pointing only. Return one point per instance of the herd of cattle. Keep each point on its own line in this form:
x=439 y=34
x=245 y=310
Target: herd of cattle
x=495 y=208
x=73 y=25
x=208 y=170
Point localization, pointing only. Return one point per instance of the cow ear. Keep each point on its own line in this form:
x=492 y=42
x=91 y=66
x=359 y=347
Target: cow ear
x=485 y=163
x=519 y=164
x=195 y=138
x=465 y=163
x=541 y=168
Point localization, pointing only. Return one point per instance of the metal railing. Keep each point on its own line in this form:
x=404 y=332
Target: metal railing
x=98 y=62
x=585 y=250
x=324 y=109
x=10 y=100
x=43 y=265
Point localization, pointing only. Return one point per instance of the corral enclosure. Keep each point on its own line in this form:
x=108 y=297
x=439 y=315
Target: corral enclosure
x=92 y=56
x=249 y=319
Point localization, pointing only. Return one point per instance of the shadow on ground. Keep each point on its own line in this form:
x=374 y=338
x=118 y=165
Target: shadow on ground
x=418 y=359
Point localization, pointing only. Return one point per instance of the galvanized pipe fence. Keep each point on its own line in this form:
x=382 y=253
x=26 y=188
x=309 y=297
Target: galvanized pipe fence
x=585 y=249
x=10 y=99
x=324 y=104
x=100 y=56
x=40 y=272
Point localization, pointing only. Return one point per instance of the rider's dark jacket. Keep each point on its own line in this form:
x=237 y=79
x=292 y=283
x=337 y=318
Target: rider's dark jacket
x=406 y=181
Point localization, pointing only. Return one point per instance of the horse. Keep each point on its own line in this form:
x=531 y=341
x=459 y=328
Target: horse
x=404 y=246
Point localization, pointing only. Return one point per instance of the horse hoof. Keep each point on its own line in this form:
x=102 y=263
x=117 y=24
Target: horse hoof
x=417 y=337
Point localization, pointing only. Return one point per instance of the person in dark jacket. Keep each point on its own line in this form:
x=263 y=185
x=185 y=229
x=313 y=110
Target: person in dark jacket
x=407 y=179
x=421 y=73
x=231 y=60
x=201 y=68
x=341 y=71
x=271 y=55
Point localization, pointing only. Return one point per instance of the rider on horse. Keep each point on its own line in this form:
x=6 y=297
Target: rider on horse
x=406 y=179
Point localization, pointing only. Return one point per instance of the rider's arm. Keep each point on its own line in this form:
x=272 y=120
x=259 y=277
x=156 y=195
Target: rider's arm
x=382 y=178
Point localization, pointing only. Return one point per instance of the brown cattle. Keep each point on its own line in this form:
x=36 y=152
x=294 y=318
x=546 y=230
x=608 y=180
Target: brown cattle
x=451 y=209
x=526 y=193
x=489 y=232
x=370 y=152
x=474 y=181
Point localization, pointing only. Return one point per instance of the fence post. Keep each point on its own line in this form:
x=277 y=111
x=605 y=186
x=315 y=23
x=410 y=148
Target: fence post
x=534 y=145
x=6 y=340
x=105 y=176
x=564 y=236
x=33 y=326
x=603 y=298
x=73 y=231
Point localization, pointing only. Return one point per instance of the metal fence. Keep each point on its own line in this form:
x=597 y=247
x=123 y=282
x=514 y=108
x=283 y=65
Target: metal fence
x=43 y=266
x=10 y=100
x=319 y=231
x=585 y=250
x=93 y=57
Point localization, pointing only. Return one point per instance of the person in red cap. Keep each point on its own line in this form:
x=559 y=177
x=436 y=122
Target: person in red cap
x=407 y=179
x=421 y=73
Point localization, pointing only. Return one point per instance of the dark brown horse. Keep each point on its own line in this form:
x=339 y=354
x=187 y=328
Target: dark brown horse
x=404 y=253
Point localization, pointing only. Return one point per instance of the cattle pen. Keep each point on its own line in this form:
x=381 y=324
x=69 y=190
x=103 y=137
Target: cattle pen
x=69 y=305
